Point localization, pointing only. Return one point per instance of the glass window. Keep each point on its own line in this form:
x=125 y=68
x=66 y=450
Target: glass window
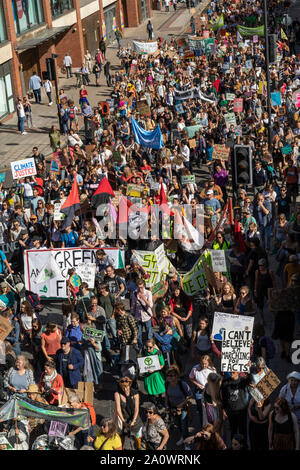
x=27 y=14
x=7 y=104
x=59 y=7
x=3 y=32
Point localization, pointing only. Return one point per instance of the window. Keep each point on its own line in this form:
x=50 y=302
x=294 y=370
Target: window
x=7 y=104
x=3 y=32
x=27 y=14
x=59 y=7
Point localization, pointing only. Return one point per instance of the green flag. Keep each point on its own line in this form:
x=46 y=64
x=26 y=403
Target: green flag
x=218 y=24
x=258 y=31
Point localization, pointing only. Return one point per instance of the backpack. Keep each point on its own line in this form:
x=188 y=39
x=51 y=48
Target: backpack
x=72 y=113
x=270 y=349
x=34 y=300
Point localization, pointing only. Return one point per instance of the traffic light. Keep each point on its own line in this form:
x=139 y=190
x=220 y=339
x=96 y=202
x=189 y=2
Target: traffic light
x=51 y=68
x=242 y=163
x=272 y=48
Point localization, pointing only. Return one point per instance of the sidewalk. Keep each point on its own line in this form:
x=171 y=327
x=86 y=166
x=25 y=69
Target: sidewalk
x=16 y=147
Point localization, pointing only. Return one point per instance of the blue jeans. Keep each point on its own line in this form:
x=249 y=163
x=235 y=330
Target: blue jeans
x=111 y=323
x=21 y=123
x=182 y=422
x=148 y=326
x=198 y=396
x=37 y=95
x=266 y=235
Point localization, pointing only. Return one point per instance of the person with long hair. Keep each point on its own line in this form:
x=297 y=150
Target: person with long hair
x=26 y=317
x=258 y=413
x=107 y=437
x=182 y=309
x=198 y=377
x=207 y=439
x=155 y=434
x=227 y=298
x=283 y=429
x=244 y=304
x=212 y=403
x=127 y=402
x=50 y=340
x=201 y=338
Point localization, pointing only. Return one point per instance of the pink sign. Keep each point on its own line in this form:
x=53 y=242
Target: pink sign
x=298 y=100
x=206 y=34
x=255 y=38
x=238 y=105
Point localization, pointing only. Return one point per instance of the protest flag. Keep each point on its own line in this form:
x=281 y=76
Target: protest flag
x=238 y=237
x=71 y=205
x=218 y=24
x=283 y=35
x=151 y=139
x=103 y=193
x=163 y=201
x=189 y=238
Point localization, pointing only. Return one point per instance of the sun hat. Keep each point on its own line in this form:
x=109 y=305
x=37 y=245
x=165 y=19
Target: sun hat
x=33 y=388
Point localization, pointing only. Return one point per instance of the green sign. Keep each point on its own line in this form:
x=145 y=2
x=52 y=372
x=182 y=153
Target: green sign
x=186 y=179
x=90 y=333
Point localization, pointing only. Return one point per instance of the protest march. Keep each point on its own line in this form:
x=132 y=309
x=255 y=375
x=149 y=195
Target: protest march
x=150 y=269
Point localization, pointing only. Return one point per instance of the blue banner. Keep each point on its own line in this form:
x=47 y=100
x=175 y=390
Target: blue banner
x=153 y=140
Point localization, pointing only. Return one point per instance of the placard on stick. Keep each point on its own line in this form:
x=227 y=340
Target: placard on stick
x=265 y=386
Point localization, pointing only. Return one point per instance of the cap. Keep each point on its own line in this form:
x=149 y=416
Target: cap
x=35 y=238
x=209 y=192
x=293 y=375
x=65 y=340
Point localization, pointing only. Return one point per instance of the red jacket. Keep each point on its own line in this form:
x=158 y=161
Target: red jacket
x=57 y=387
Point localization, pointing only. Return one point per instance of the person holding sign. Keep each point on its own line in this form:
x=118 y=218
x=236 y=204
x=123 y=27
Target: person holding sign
x=154 y=381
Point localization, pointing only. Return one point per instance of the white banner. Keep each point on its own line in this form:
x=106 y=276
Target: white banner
x=148 y=364
x=87 y=273
x=149 y=47
x=218 y=261
x=23 y=168
x=53 y=281
x=230 y=321
x=155 y=263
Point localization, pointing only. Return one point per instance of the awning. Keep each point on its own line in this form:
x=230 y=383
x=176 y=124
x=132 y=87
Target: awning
x=40 y=38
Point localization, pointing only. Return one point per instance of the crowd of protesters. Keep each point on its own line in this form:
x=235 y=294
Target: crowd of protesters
x=173 y=326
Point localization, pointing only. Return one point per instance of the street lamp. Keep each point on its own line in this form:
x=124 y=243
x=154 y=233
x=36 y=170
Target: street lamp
x=267 y=62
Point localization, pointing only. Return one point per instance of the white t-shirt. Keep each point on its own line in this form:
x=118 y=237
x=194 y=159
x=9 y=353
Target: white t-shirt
x=26 y=321
x=200 y=375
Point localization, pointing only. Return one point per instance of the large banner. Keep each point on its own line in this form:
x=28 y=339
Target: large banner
x=258 y=31
x=195 y=280
x=46 y=271
x=150 y=139
x=155 y=263
x=203 y=45
x=149 y=47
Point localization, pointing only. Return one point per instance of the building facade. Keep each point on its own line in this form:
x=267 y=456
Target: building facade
x=32 y=30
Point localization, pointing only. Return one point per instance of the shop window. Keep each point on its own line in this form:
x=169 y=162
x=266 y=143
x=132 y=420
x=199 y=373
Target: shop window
x=3 y=32
x=27 y=14
x=59 y=7
x=7 y=104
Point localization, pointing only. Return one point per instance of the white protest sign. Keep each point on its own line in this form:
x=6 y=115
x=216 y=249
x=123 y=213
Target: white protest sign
x=148 y=364
x=57 y=214
x=87 y=272
x=230 y=96
x=230 y=120
x=236 y=347
x=149 y=47
x=218 y=261
x=23 y=168
x=229 y=321
x=65 y=258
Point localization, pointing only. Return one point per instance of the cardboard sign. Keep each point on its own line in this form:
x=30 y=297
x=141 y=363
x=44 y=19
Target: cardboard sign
x=255 y=38
x=186 y=179
x=93 y=333
x=158 y=289
x=236 y=345
x=284 y=299
x=87 y=272
x=211 y=280
x=192 y=143
x=189 y=55
x=230 y=120
x=85 y=393
x=5 y=328
x=57 y=429
x=105 y=108
x=23 y=168
x=265 y=386
x=133 y=69
x=148 y=364
x=221 y=152
x=218 y=261
x=238 y=105
x=143 y=108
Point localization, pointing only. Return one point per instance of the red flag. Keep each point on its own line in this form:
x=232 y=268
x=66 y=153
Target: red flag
x=103 y=193
x=71 y=205
x=238 y=237
x=164 y=200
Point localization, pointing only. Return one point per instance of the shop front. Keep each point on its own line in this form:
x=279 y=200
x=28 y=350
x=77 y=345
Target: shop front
x=7 y=104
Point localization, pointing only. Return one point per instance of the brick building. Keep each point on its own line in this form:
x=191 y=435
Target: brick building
x=32 y=30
